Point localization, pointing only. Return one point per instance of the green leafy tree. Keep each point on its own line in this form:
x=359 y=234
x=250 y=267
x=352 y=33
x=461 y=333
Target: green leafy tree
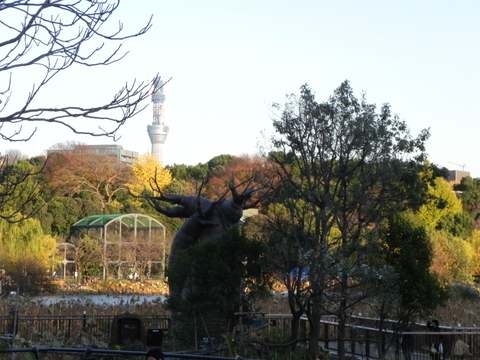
x=344 y=168
x=219 y=161
x=226 y=273
x=442 y=202
x=459 y=224
x=400 y=281
x=63 y=212
x=191 y=177
x=59 y=213
x=273 y=227
x=19 y=191
x=449 y=227
x=470 y=195
x=27 y=254
x=89 y=259
x=179 y=171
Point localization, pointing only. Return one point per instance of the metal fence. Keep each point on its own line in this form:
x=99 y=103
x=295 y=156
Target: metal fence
x=364 y=340
x=79 y=330
x=92 y=354
x=368 y=342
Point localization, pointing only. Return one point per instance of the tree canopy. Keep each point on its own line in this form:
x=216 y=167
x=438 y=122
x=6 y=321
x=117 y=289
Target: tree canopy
x=344 y=167
x=146 y=169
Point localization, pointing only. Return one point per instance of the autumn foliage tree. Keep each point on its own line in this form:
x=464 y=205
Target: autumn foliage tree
x=145 y=169
x=101 y=177
x=245 y=170
x=442 y=202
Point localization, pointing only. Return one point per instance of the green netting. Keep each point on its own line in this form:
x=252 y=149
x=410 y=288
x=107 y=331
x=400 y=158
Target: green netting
x=100 y=221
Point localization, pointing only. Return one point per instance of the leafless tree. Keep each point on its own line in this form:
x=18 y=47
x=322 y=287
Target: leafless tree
x=40 y=39
x=147 y=253
x=14 y=155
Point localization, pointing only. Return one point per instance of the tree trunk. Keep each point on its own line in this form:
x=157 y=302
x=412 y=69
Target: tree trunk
x=342 y=314
x=381 y=326
x=341 y=332
x=314 y=321
x=296 y=315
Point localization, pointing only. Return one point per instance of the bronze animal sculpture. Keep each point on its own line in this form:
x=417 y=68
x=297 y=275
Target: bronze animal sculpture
x=206 y=219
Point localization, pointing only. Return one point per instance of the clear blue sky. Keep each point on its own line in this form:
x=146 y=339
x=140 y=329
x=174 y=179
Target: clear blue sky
x=229 y=60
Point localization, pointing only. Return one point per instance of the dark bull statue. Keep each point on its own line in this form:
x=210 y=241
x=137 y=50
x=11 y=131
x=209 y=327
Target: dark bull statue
x=206 y=219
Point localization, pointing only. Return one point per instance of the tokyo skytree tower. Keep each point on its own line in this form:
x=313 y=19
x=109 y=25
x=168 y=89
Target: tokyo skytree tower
x=158 y=131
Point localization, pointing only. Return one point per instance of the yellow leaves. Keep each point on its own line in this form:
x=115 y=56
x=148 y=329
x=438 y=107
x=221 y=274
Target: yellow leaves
x=453 y=259
x=475 y=251
x=26 y=240
x=145 y=169
x=443 y=201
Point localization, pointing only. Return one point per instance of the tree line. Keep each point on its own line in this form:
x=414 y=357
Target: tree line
x=73 y=183
x=354 y=206
x=356 y=213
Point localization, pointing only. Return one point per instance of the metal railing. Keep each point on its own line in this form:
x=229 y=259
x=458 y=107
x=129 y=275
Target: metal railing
x=89 y=353
x=75 y=330
x=369 y=342
x=363 y=339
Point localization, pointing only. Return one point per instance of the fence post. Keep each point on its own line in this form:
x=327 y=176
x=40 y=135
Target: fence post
x=84 y=327
x=352 y=342
x=326 y=335
x=367 y=344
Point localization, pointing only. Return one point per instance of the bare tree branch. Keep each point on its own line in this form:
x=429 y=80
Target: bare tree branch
x=50 y=36
x=39 y=40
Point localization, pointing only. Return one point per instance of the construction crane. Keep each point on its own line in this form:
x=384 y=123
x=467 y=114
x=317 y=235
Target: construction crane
x=461 y=165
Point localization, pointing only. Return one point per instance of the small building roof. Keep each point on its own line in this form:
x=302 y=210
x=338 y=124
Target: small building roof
x=129 y=220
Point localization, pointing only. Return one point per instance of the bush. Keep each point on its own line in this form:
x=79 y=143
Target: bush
x=464 y=292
